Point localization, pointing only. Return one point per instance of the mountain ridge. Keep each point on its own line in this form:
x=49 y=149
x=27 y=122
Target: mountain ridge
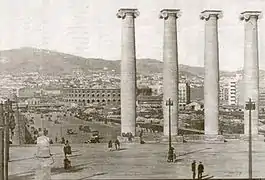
x=29 y=59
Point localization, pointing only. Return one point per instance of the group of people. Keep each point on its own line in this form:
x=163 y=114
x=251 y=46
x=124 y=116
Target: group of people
x=116 y=143
x=200 y=169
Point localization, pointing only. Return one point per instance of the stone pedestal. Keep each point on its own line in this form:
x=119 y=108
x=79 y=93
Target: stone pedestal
x=204 y=138
x=174 y=139
x=211 y=71
x=125 y=139
x=128 y=70
x=170 y=70
x=251 y=67
x=256 y=137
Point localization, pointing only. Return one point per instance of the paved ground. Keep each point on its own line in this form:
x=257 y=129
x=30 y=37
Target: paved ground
x=228 y=160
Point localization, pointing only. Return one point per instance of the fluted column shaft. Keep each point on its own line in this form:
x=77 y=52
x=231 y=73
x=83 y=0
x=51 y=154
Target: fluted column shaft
x=251 y=68
x=211 y=72
x=170 y=69
x=128 y=70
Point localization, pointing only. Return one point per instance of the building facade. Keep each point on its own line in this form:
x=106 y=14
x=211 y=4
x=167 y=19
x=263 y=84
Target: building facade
x=184 y=95
x=224 y=94
x=83 y=96
x=229 y=92
x=232 y=88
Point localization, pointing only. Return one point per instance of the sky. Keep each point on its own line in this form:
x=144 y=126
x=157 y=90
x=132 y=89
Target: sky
x=90 y=28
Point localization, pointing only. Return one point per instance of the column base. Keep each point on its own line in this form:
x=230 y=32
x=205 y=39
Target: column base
x=174 y=139
x=126 y=140
x=256 y=137
x=204 y=138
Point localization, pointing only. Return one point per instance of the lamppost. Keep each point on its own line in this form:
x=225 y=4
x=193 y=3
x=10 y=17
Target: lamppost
x=169 y=103
x=250 y=105
x=2 y=145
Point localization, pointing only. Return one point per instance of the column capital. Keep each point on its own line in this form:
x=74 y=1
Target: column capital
x=126 y=11
x=165 y=13
x=206 y=14
x=246 y=15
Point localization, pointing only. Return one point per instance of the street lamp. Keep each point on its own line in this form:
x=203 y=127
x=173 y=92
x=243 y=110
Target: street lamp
x=250 y=105
x=169 y=103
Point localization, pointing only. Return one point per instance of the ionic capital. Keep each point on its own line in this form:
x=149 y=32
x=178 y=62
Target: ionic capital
x=245 y=16
x=130 y=12
x=165 y=13
x=206 y=14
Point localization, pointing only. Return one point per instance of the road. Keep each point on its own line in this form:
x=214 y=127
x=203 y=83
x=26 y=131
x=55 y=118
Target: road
x=60 y=130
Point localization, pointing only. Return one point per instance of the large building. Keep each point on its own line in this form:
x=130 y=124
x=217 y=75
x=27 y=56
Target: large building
x=224 y=94
x=83 y=96
x=262 y=95
x=232 y=86
x=184 y=95
x=229 y=91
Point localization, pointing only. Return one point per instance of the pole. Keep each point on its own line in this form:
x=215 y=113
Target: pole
x=1 y=141
x=169 y=103
x=18 y=121
x=169 y=124
x=6 y=150
x=250 y=141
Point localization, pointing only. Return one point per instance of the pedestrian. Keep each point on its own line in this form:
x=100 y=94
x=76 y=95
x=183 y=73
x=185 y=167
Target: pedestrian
x=130 y=136
x=200 y=170
x=193 y=168
x=44 y=157
x=117 y=144
x=170 y=155
x=110 y=145
x=67 y=149
x=63 y=140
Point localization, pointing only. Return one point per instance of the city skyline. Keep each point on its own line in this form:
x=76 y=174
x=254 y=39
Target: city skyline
x=91 y=30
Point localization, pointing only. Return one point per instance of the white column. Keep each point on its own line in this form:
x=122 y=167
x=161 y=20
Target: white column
x=251 y=67
x=211 y=71
x=170 y=70
x=128 y=70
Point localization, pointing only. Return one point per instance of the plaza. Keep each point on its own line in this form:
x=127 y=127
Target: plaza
x=229 y=160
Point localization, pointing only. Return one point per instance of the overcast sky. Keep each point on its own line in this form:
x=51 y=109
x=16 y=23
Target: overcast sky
x=89 y=28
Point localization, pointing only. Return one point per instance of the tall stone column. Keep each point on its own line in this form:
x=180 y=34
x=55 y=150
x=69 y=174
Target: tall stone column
x=251 y=67
x=211 y=71
x=170 y=70
x=128 y=70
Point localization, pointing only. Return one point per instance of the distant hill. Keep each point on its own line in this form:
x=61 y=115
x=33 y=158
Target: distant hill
x=51 y=62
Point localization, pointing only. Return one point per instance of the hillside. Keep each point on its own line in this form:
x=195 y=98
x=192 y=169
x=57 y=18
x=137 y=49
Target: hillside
x=51 y=62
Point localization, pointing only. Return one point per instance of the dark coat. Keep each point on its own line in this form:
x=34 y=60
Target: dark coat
x=200 y=168
x=193 y=166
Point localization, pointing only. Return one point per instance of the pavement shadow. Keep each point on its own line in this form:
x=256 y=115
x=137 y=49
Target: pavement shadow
x=192 y=152
x=22 y=176
x=93 y=175
x=30 y=174
x=178 y=160
x=73 y=169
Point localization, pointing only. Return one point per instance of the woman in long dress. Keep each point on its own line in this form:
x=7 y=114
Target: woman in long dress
x=44 y=157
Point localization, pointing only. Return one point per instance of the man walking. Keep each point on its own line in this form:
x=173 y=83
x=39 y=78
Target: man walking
x=193 y=168
x=200 y=170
